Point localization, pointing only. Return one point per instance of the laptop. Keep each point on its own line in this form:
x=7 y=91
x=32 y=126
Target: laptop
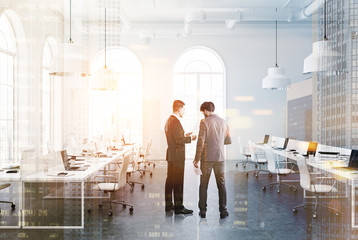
x=266 y=140
x=353 y=162
x=311 y=150
x=67 y=163
x=284 y=145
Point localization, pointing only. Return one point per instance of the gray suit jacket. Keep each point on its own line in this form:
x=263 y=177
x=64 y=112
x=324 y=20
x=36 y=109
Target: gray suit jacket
x=213 y=135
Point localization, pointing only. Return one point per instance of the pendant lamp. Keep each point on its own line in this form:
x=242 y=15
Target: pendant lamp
x=276 y=78
x=105 y=79
x=321 y=54
x=69 y=61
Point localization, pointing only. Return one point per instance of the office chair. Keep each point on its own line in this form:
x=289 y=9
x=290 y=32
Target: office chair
x=3 y=186
x=244 y=153
x=144 y=154
x=113 y=183
x=276 y=167
x=133 y=169
x=314 y=186
x=257 y=160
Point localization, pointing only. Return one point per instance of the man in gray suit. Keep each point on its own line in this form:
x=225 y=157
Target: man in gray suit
x=213 y=134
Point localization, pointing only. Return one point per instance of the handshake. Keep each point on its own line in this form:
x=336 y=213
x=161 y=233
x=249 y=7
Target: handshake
x=193 y=137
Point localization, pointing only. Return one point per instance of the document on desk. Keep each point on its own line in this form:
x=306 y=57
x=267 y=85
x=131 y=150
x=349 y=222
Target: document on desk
x=197 y=171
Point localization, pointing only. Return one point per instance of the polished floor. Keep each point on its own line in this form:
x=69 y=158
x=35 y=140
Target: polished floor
x=254 y=213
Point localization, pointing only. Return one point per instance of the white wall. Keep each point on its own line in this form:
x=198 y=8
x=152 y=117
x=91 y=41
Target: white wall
x=247 y=57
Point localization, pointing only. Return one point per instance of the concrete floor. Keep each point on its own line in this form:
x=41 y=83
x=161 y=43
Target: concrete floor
x=254 y=214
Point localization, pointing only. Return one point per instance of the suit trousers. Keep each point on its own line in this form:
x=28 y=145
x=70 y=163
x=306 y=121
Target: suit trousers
x=219 y=171
x=174 y=184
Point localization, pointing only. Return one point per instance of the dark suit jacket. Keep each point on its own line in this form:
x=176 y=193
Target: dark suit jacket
x=176 y=140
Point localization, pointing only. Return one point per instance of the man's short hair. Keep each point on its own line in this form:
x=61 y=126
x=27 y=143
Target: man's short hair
x=209 y=106
x=177 y=104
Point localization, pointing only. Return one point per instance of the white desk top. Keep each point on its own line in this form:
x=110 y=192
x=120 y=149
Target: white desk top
x=324 y=166
x=96 y=164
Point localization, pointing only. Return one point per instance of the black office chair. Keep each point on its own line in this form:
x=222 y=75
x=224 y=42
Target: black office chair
x=3 y=186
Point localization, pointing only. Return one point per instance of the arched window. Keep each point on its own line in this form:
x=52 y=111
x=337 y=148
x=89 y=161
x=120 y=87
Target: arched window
x=119 y=113
x=199 y=76
x=7 y=60
x=47 y=94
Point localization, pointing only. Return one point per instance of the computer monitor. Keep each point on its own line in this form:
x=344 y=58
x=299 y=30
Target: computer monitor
x=266 y=139
x=312 y=148
x=353 y=160
x=286 y=143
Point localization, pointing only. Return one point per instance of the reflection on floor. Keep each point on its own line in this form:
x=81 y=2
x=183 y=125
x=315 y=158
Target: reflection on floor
x=254 y=214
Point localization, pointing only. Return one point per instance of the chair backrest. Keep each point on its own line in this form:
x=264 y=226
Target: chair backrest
x=135 y=158
x=252 y=151
x=271 y=160
x=241 y=148
x=149 y=146
x=122 y=175
x=305 y=179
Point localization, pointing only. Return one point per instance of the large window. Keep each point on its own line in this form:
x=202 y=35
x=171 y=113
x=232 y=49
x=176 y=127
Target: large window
x=47 y=94
x=199 y=75
x=114 y=114
x=7 y=59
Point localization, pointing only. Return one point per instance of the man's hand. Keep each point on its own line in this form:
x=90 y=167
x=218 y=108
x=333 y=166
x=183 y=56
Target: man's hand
x=188 y=134
x=196 y=163
x=193 y=137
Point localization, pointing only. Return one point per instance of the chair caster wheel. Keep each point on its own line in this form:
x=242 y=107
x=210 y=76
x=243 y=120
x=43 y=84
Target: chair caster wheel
x=255 y=165
x=143 y=173
x=247 y=174
x=278 y=190
x=151 y=174
x=124 y=206
x=132 y=190
x=143 y=187
x=295 y=189
x=314 y=215
x=110 y=214
x=100 y=205
x=131 y=210
x=89 y=211
x=237 y=165
x=263 y=188
x=256 y=175
x=244 y=166
x=145 y=166
x=13 y=206
x=270 y=174
x=141 y=176
x=154 y=165
x=294 y=210
x=337 y=214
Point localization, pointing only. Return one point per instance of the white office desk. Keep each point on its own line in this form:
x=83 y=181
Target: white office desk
x=96 y=165
x=349 y=177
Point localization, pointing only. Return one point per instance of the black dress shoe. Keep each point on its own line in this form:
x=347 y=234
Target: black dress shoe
x=183 y=210
x=202 y=214
x=169 y=208
x=224 y=215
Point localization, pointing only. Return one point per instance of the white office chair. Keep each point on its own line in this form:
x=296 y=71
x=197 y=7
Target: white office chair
x=244 y=153
x=112 y=183
x=133 y=168
x=3 y=186
x=280 y=168
x=257 y=159
x=144 y=155
x=315 y=186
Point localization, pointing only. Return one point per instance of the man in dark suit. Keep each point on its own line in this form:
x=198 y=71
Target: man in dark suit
x=176 y=140
x=213 y=135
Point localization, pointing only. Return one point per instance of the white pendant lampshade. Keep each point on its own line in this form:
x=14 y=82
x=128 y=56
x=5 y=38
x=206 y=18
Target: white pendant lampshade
x=276 y=79
x=69 y=61
x=320 y=56
x=106 y=80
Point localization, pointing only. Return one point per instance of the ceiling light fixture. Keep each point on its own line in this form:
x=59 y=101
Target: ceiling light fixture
x=69 y=61
x=276 y=78
x=321 y=54
x=106 y=79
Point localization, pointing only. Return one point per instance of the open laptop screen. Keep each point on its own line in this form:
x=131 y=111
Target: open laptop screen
x=353 y=160
x=66 y=161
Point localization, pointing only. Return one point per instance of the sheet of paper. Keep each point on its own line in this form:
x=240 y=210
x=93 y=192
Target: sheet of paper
x=198 y=171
